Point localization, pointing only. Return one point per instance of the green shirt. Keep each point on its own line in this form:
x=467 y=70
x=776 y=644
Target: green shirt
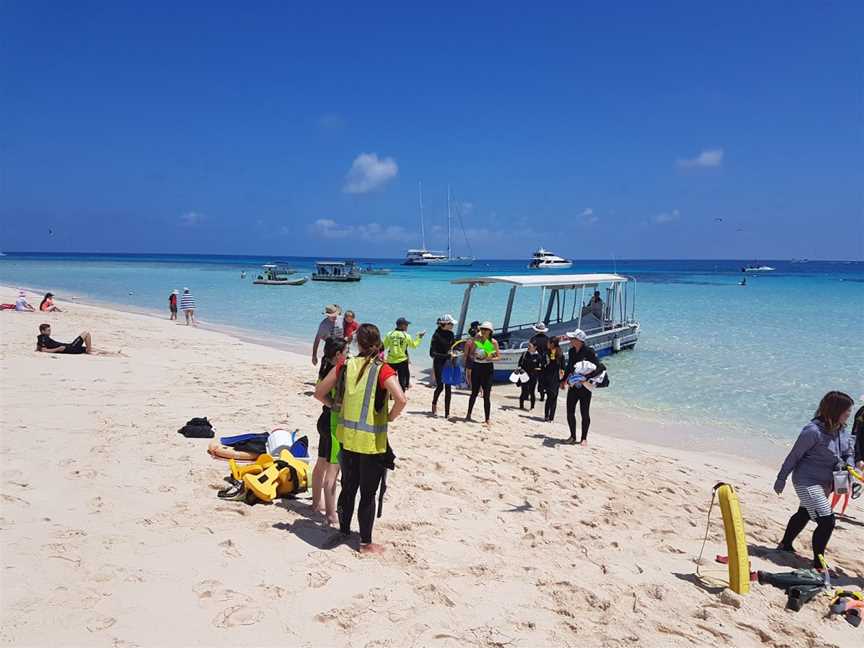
x=397 y=343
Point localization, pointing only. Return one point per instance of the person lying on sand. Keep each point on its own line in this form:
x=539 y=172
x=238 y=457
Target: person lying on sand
x=81 y=344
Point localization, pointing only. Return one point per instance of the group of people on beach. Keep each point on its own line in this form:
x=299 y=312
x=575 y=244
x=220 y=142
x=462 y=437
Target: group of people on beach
x=362 y=393
x=186 y=305
x=83 y=342
x=23 y=306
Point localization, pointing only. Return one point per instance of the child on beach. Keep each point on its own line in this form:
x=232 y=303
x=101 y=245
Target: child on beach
x=326 y=471
x=823 y=448
x=396 y=344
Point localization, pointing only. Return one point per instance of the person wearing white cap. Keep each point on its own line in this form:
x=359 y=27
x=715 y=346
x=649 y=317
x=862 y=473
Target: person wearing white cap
x=441 y=350
x=172 y=304
x=578 y=393
x=21 y=304
x=480 y=354
x=541 y=341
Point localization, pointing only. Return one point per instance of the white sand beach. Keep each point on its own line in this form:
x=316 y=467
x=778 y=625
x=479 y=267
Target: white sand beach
x=112 y=535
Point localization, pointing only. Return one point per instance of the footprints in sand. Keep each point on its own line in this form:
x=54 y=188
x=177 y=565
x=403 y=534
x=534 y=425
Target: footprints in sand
x=238 y=615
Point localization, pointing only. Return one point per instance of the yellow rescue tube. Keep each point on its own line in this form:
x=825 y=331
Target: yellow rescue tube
x=736 y=543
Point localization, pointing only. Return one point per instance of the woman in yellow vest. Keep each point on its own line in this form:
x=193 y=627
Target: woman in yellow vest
x=364 y=386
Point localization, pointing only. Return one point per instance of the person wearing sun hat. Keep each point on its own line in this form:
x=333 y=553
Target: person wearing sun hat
x=441 y=350
x=480 y=354
x=172 y=304
x=540 y=340
x=578 y=392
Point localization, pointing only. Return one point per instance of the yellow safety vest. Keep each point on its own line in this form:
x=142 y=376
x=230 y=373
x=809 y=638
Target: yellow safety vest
x=361 y=429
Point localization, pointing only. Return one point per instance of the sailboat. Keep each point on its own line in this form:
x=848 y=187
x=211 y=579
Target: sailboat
x=425 y=257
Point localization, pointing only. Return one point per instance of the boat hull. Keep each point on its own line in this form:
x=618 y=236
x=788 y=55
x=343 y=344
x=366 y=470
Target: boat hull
x=551 y=266
x=342 y=279
x=460 y=263
x=286 y=282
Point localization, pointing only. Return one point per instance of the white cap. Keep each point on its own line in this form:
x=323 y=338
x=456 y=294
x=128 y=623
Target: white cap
x=447 y=318
x=540 y=327
x=185 y=290
x=578 y=334
x=487 y=325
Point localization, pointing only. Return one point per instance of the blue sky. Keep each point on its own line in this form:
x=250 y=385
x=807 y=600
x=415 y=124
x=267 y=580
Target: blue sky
x=595 y=129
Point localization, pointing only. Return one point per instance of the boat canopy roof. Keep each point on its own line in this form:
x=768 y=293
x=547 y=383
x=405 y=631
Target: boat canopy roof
x=549 y=281
x=333 y=263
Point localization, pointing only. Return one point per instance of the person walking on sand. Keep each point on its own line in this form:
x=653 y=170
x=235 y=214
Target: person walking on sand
x=532 y=363
x=350 y=326
x=364 y=386
x=396 y=344
x=541 y=341
x=172 y=305
x=326 y=472
x=441 y=351
x=480 y=356
x=578 y=391
x=187 y=305
x=331 y=326
x=550 y=378
x=819 y=457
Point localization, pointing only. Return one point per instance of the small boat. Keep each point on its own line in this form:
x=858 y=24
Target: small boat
x=543 y=259
x=564 y=305
x=370 y=270
x=755 y=268
x=276 y=275
x=336 y=271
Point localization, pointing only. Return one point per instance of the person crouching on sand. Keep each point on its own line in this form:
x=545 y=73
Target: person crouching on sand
x=326 y=471
x=823 y=448
x=362 y=428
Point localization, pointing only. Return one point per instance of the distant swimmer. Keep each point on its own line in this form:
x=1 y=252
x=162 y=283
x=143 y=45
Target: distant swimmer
x=242 y=274
x=743 y=282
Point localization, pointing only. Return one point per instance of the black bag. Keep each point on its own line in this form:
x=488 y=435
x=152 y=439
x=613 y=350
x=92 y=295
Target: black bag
x=197 y=428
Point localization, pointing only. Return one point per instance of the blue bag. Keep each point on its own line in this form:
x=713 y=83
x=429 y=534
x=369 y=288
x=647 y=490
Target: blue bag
x=451 y=374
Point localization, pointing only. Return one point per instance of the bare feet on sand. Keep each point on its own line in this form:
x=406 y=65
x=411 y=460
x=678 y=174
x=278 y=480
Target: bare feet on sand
x=333 y=519
x=371 y=548
x=584 y=443
x=434 y=410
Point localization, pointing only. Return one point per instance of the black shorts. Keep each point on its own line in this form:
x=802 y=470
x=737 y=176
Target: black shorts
x=325 y=440
x=173 y=309
x=76 y=346
x=403 y=372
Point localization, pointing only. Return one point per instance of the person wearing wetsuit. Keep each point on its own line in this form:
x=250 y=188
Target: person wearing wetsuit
x=550 y=378
x=440 y=350
x=540 y=341
x=532 y=364
x=823 y=447
x=481 y=353
x=579 y=393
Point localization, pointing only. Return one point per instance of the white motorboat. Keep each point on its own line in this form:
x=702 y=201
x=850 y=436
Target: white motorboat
x=755 y=268
x=564 y=305
x=344 y=271
x=276 y=275
x=545 y=259
x=425 y=257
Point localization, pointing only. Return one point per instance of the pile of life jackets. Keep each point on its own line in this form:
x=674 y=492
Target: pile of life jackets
x=266 y=479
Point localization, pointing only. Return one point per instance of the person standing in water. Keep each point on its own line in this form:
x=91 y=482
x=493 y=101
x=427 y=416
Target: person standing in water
x=550 y=378
x=579 y=392
x=364 y=386
x=172 y=305
x=441 y=350
x=326 y=471
x=396 y=344
x=823 y=448
x=187 y=305
x=481 y=353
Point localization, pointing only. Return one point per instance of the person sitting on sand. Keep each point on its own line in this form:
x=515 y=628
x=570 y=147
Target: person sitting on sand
x=823 y=447
x=331 y=326
x=81 y=344
x=326 y=471
x=364 y=440
x=47 y=304
x=22 y=305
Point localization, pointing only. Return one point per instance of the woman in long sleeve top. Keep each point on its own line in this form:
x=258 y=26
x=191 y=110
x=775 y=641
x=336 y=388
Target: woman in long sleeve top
x=532 y=363
x=823 y=447
x=441 y=351
x=579 y=393
x=550 y=377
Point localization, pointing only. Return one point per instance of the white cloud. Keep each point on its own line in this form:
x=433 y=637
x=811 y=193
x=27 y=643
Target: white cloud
x=368 y=173
x=327 y=228
x=588 y=217
x=707 y=159
x=664 y=218
x=191 y=218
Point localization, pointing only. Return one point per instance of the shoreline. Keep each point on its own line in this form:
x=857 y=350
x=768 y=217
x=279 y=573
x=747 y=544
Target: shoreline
x=127 y=527
x=656 y=430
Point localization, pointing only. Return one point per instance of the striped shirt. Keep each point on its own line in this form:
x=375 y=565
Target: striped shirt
x=187 y=301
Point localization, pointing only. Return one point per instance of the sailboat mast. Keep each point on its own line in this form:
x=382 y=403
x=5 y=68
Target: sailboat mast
x=449 y=219
x=422 y=228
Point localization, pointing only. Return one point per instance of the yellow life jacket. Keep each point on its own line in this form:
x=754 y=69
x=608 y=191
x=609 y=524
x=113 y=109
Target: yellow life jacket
x=361 y=429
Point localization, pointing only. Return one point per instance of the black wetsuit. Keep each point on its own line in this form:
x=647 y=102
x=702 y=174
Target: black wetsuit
x=550 y=379
x=532 y=364
x=439 y=349
x=580 y=395
x=541 y=343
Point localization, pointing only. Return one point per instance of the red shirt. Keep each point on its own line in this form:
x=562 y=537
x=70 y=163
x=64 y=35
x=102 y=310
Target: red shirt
x=349 y=329
x=384 y=374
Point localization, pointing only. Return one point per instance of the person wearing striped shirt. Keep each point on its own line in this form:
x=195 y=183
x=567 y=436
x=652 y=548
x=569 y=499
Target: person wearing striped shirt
x=187 y=305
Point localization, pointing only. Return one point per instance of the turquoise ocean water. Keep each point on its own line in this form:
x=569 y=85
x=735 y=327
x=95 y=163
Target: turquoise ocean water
x=752 y=360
